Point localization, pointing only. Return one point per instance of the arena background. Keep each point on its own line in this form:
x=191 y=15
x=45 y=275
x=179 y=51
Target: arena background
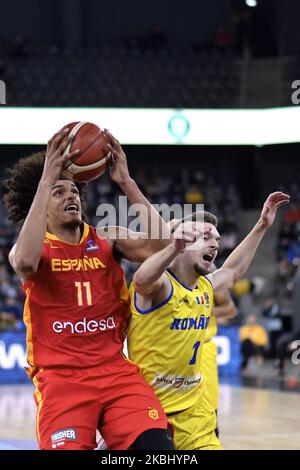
x=195 y=65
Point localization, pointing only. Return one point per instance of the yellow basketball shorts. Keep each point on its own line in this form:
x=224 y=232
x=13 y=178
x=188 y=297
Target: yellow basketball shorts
x=209 y=370
x=194 y=428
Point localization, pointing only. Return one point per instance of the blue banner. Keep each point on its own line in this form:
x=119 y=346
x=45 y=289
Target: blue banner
x=13 y=357
x=229 y=351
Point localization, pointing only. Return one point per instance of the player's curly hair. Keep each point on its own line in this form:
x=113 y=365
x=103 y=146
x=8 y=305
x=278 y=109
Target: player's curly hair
x=21 y=184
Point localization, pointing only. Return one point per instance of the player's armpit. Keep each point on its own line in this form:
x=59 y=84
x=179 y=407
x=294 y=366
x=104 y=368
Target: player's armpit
x=11 y=257
x=222 y=278
x=150 y=297
x=161 y=284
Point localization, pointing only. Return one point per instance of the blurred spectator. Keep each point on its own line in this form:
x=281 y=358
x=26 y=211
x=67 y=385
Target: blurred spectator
x=242 y=292
x=284 y=273
x=274 y=325
x=11 y=314
x=156 y=187
x=292 y=215
x=7 y=321
x=285 y=237
x=254 y=340
x=12 y=305
x=293 y=252
x=8 y=289
x=229 y=238
x=193 y=195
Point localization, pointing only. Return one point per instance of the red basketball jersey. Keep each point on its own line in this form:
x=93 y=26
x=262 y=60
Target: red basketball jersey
x=77 y=304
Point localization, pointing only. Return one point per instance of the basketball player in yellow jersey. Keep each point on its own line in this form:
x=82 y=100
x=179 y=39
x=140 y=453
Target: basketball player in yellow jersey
x=223 y=307
x=171 y=308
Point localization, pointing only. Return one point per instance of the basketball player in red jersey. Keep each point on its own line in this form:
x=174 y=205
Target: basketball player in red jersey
x=77 y=309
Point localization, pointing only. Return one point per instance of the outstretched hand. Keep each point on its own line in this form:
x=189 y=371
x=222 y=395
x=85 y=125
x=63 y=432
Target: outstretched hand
x=273 y=202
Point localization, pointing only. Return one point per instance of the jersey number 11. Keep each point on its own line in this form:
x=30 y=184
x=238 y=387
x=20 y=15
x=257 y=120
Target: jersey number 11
x=88 y=294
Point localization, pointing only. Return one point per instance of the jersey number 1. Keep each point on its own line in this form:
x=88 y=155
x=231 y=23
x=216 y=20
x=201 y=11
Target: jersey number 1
x=195 y=347
x=88 y=294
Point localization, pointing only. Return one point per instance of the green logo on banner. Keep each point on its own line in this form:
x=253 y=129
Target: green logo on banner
x=179 y=126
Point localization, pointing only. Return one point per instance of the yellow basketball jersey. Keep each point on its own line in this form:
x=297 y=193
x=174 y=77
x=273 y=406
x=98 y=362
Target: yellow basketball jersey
x=212 y=328
x=166 y=342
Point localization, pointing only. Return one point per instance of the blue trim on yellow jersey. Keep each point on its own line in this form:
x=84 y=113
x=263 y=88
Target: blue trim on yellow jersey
x=143 y=312
x=181 y=283
x=209 y=282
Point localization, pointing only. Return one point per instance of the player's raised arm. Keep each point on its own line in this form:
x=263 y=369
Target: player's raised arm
x=25 y=255
x=157 y=234
x=238 y=262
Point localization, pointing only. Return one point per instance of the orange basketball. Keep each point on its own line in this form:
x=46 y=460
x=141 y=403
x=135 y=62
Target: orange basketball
x=93 y=159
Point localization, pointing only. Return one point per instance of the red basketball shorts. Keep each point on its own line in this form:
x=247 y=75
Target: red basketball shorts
x=73 y=403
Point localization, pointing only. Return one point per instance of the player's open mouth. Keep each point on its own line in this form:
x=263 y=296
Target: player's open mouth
x=208 y=257
x=72 y=209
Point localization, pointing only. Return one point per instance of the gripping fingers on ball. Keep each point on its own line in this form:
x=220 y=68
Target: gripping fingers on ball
x=109 y=148
x=71 y=155
x=112 y=150
x=114 y=142
x=112 y=159
x=63 y=145
x=58 y=138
